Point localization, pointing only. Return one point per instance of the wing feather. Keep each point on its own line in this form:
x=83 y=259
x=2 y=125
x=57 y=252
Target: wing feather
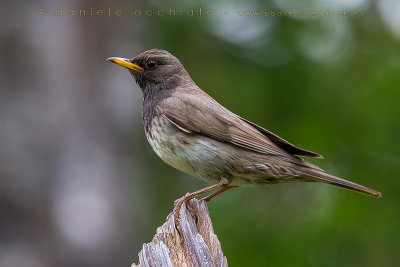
x=191 y=113
x=203 y=115
x=282 y=143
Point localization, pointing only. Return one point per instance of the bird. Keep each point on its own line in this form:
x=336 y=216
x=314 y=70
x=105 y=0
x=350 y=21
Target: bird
x=192 y=132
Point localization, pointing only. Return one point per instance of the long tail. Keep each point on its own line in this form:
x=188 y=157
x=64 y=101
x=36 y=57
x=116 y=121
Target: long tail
x=330 y=179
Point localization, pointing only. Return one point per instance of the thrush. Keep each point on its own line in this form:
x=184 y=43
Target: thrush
x=192 y=132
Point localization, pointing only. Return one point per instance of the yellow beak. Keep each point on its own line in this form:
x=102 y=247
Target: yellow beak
x=125 y=63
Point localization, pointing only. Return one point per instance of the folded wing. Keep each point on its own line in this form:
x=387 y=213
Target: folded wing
x=203 y=115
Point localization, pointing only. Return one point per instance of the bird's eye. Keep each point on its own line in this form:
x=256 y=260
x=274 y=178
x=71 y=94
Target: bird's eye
x=151 y=64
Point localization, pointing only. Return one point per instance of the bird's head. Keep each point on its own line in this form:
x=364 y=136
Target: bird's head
x=155 y=69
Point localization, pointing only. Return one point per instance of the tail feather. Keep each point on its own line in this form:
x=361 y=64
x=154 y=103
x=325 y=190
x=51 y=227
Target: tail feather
x=330 y=179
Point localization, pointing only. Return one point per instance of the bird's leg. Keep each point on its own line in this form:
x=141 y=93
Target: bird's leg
x=186 y=198
x=218 y=192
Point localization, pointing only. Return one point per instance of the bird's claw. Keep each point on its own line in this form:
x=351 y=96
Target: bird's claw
x=177 y=208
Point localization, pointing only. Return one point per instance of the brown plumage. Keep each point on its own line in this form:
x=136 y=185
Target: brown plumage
x=192 y=132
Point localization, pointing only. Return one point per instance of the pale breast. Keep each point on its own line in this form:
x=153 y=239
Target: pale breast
x=193 y=154
x=166 y=141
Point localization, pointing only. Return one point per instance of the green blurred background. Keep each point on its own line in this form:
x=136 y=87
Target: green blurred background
x=80 y=185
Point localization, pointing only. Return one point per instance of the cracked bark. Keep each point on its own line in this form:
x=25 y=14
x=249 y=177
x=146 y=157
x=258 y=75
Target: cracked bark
x=192 y=244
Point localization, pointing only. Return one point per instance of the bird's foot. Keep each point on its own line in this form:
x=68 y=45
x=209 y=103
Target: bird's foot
x=220 y=187
x=178 y=205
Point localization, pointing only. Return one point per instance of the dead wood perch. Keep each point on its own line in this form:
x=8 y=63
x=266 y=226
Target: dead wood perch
x=193 y=244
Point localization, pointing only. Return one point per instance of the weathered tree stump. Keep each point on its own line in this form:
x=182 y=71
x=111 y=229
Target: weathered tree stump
x=192 y=244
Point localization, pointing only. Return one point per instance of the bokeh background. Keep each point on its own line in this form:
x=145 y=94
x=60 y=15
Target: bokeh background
x=80 y=185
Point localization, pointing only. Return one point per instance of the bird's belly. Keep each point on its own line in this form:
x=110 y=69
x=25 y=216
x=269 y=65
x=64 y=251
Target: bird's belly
x=174 y=156
x=193 y=154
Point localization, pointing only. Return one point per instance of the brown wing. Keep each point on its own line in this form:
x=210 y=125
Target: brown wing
x=282 y=143
x=204 y=115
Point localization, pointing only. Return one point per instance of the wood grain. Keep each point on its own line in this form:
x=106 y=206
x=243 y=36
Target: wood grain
x=193 y=243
